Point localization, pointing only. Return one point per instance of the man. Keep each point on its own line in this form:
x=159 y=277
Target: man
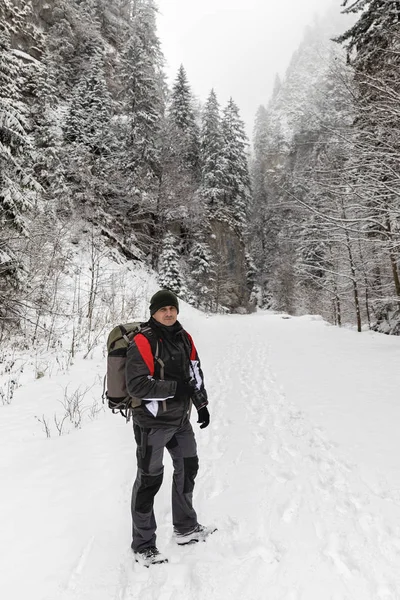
x=163 y=369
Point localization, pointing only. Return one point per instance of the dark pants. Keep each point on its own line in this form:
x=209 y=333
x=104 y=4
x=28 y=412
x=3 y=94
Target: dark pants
x=181 y=445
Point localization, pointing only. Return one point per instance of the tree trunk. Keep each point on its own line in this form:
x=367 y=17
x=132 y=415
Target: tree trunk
x=393 y=261
x=395 y=272
x=354 y=278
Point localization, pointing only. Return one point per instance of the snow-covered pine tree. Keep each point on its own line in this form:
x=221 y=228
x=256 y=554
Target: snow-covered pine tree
x=48 y=167
x=181 y=106
x=211 y=157
x=237 y=193
x=15 y=95
x=57 y=77
x=18 y=18
x=135 y=176
x=369 y=40
x=87 y=124
x=59 y=61
x=182 y=117
x=179 y=204
x=201 y=276
x=142 y=97
x=89 y=115
x=17 y=185
x=169 y=270
x=228 y=198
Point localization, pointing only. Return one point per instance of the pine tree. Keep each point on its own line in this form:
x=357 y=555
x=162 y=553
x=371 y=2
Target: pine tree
x=201 y=271
x=134 y=174
x=53 y=87
x=90 y=112
x=87 y=125
x=236 y=172
x=17 y=184
x=142 y=94
x=170 y=272
x=60 y=57
x=211 y=158
x=371 y=37
x=18 y=19
x=86 y=135
x=178 y=198
x=181 y=109
x=16 y=181
x=183 y=124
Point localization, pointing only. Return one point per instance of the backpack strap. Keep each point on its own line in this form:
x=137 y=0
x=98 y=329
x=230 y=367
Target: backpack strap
x=147 y=330
x=125 y=334
x=160 y=362
x=149 y=335
x=162 y=365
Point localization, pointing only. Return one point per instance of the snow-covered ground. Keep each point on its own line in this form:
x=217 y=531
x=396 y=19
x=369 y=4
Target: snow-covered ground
x=299 y=470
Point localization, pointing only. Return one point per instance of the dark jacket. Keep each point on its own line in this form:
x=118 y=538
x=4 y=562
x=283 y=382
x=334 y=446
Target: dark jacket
x=161 y=405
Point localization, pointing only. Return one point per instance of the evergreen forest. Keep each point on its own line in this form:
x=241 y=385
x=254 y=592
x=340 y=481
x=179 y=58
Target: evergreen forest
x=97 y=150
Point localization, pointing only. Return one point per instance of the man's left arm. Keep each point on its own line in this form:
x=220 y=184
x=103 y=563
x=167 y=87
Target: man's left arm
x=199 y=398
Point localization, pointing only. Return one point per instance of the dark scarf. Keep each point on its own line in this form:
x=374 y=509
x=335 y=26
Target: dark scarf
x=175 y=345
x=167 y=332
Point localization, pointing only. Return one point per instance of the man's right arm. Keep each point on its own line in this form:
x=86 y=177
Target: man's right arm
x=140 y=381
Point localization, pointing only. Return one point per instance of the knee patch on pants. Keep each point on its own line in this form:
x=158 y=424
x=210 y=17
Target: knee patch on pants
x=149 y=486
x=190 y=466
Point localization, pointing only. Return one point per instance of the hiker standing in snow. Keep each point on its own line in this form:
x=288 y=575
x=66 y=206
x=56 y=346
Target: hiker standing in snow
x=163 y=369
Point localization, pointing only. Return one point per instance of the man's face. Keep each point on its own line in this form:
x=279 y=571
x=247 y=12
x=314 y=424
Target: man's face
x=167 y=315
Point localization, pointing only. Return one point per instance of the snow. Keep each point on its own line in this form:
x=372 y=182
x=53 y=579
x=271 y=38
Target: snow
x=25 y=56
x=298 y=470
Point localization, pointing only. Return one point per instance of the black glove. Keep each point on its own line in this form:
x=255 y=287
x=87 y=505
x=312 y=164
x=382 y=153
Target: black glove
x=183 y=388
x=204 y=417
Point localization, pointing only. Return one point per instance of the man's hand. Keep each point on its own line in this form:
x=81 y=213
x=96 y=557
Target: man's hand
x=204 y=417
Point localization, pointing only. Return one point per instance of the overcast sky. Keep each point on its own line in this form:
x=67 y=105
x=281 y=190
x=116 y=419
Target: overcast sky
x=234 y=46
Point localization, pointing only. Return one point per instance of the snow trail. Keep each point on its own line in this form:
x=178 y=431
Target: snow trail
x=293 y=518
x=296 y=519
x=307 y=508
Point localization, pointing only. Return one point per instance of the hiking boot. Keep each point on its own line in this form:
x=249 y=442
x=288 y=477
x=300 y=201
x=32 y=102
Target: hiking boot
x=149 y=556
x=198 y=534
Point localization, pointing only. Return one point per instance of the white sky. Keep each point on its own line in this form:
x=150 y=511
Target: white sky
x=235 y=46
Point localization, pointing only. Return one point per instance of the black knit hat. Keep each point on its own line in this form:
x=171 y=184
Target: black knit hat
x=163 y=298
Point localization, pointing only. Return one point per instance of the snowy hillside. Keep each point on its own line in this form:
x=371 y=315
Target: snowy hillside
x=298 y=470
